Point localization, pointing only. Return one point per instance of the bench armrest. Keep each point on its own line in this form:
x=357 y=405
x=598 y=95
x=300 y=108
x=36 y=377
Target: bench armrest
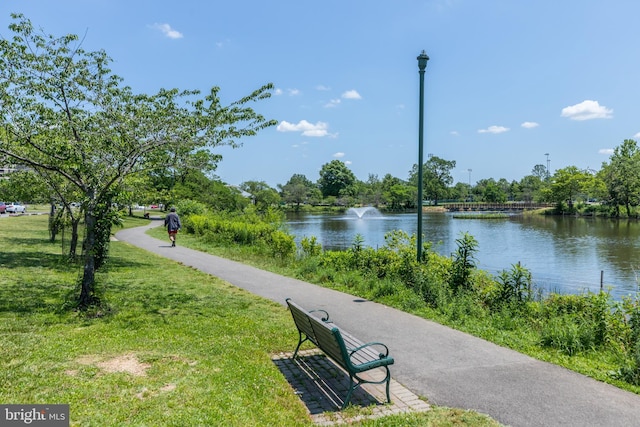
x=371 y=344
x=324 y=318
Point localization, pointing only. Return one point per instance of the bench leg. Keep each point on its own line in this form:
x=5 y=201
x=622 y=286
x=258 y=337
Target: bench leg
x=300 y=341
x=388 y=378
x=353 y=385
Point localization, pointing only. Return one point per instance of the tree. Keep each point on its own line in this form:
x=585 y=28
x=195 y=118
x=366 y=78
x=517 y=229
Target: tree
x=622 y=176
x=372 y=191
x=400 y=196
x=541 y=172
x=492 y=191
x=396 y=193
x=567 y=184
x=335 y=176
x=530 y=186
x=437 y=177
x=63 y=111
x=297 y=190
x=262 y=195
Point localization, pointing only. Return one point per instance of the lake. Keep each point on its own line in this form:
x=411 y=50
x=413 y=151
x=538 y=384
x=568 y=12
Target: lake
x=564 y=254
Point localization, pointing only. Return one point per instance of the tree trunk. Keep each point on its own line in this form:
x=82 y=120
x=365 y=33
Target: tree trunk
x=53 y=224
x=73 y=245
x=86 y=298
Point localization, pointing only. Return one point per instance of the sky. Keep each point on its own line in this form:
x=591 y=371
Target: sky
x=510 y=84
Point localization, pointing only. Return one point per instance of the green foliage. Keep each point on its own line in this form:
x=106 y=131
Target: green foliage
x=463 y=262
x=436 y=177
x=66 y=116
x=298 y=190
x=630 y=371
x=574 y=323
x=334 y=177
x=260 y=231
x=358 y=243
x=622 y=176
x=106 y=219
x=569 y=184
x=220 y=230
x=310 y=246
x=188 y=207
x=493 y=193
x=569 y=333
x=515 y=285
x=282 y=245
x=262 y=196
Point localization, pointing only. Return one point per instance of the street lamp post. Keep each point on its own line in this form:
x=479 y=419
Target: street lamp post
x=422 y=64
x=547 y=154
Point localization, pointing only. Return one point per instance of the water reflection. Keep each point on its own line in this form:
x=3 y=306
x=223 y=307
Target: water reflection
x=564 y=253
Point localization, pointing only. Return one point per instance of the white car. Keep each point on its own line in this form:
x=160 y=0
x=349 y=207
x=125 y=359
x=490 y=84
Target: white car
x=16 y=208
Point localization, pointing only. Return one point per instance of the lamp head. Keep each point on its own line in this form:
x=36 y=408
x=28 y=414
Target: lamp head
x=422 y=60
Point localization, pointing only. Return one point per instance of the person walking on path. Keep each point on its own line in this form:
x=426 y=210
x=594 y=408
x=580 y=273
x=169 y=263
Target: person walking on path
x=172 y=222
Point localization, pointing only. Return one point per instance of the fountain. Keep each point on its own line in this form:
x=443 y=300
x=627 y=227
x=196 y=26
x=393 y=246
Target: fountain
x=368 y=211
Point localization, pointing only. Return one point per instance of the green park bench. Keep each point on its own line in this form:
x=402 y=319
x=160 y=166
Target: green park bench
x=354 y=356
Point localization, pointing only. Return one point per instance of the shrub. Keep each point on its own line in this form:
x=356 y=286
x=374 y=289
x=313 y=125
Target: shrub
x=515 y=285
x=386 y=287
x=573 y=323
x=568 y=333
x=310 y=246
x=630 y=371
x=190 y=207
x=336 y=260
x=308 y=268
x=196 y=224
x=282 y=245
x=463 y=262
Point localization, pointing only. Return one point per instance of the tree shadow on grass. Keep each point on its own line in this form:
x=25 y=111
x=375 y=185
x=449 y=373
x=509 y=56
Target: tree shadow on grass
x=50 y=281
x=28 y=259
x=17 y=296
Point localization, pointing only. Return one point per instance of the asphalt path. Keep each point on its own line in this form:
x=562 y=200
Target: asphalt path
x=448 y=367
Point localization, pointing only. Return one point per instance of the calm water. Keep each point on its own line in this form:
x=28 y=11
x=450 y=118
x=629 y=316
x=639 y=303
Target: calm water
x=564 y=254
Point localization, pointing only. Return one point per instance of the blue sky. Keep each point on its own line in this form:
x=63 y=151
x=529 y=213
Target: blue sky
x=508 y=81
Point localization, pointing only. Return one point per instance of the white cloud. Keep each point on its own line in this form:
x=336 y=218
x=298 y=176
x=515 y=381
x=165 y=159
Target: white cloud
x=338 y=154
x=637 y=135
x=278 y=91
x=347 y=162
x=587 y=110
x=607 y=151
x=351 y=94
x=529 y=125
x=323 y=88
x=168 y=31
x=454 y=133
x=221 y=44
x=494 y=129
x=293 y=92
x=332 y=103
x=307 y=129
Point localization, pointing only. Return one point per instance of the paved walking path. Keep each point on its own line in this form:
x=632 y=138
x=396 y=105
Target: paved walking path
x=448 y=367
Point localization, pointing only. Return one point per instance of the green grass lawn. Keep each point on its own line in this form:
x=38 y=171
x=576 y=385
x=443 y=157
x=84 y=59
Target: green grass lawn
x=171 y=347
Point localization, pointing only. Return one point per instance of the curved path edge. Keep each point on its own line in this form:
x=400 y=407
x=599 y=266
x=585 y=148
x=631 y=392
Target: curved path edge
x=448 y=367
